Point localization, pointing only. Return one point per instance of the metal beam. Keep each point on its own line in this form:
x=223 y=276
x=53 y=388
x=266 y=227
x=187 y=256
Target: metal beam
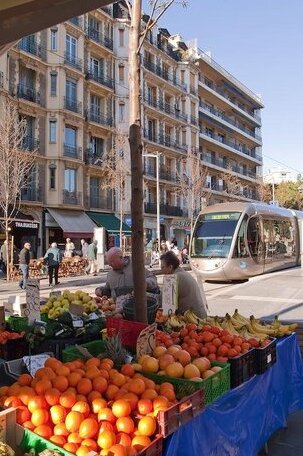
x=19 y=18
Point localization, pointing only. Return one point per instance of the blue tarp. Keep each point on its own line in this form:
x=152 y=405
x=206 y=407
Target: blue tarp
x=241 y=421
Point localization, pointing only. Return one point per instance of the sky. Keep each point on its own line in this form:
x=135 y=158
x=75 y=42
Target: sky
x=260 y=42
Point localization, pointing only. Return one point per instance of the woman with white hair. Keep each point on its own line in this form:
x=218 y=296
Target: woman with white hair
x=53 y=260
x=69 y=248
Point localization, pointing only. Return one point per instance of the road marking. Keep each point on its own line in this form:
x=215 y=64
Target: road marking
x=268 y=299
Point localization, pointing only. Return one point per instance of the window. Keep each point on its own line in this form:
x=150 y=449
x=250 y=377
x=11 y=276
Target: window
x=121 y=112
x=53 y=80
x=121 y=37
x=70 y=179
x=71 y=90
x=52 y=178
x=71 y=47
x=70 y=140
x=121 y=73
x=97 y=146
x=52 y=131
x=97 y=67
x=94 y=190
x=54 y=39
x=95 y=104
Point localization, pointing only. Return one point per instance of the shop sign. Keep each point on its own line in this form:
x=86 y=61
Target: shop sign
x=31 y=225
x=169 y=294
x=181 y=224
x=32 y=310
x=147 y=340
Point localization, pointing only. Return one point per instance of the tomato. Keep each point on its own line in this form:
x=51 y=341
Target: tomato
x=232 y=353
x=217 y=342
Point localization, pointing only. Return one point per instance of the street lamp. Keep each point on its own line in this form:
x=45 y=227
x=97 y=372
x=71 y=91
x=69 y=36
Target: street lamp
x=156 y=156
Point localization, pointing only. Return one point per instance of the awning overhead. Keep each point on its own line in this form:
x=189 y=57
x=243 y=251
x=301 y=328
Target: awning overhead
x=73 y=223
x=110 y=222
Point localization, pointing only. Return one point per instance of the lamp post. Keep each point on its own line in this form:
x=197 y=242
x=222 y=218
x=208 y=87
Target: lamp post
x=156 y=156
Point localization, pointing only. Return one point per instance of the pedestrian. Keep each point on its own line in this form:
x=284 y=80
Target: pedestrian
x=84 y=248
x=184 y=253
x=188 y=291
x=52 y=258
x=69 y=248
x=92 y=258
x=155 y=254
x=24 y=259
x=3 y=255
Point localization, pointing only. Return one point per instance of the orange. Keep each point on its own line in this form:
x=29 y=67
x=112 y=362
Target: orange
x=100 y=384
x=22 y=414
x=125 y=424
x=145 y=406
x=62 y=370
x=12 y=401
x=60 y=429
x=136 y=386
x=42 y=386
x=52 y=396
x=67 y=399
x=160 y=401
x=3 y=391
x=25 y=380
x=28 y=425
x=14 y=389
x=82 y=407
x=106 y=426
x=84 y=386
x=81 y=397
x=106 y=439
x=140 y=441
x=71 y=447
x=39 y=416
x=92 y=372
x=121 y=408
x=73 y=421
x=123 y=439
x=73 y=378
x=93 y=395
x=111 y=391
x=150 y=384
x=132 y=399
x=117 y=450
x=127 y=369
x=98 y=404
x=82 y=450
x=108 y=361
x=169 y=394
x=45 y=373
x=58 y=440
x=58 y=414
x=106 y=414
x=93 y=362
x=60 y=383
x=53 y=363
x=74 y=438
x=118 y=379
x=44 y=431
x=147 y=426
x=104 y=373
x=91 y=444
x=149 y=393
x=88 y=429
x=165 y=386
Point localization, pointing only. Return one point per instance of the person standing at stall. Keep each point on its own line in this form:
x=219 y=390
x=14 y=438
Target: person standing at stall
x=92 y=258
x=69 y=248
x=3 y=254
x=24 y=259
x=84 y=248
x=53 y=260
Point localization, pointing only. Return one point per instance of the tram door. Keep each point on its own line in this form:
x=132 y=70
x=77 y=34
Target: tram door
x=255 y=243
x=269 y=244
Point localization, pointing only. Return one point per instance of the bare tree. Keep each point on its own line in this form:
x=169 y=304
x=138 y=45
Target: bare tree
x=233 y=185
x=193 y=187
x=116 y=171
x=15 y=166
x=137 y=35
x=263 y=191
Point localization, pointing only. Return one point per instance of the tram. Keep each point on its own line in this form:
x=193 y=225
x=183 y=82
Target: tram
x=235 y=241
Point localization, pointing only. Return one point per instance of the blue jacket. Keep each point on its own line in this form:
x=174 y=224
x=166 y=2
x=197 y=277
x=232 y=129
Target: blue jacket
x=53 y=256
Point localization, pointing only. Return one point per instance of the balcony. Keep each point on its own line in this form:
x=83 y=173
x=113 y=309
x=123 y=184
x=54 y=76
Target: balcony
x=27 y=93
x=71 y=197
x=33 y=194
x=73 y=105
x=101 y=79
x=29 y=143
x=100 y=38
x=29 y=46
x=165 y=209
x=98 y=118
x=194 y=120
x=221 y=115
x=72 y=151
x=167 y=49
x=156 y=69
x=96 y=202
x=92 y=158
x=166 y=107
x=75 y=21
x=165 y=140
x=150 y=171
x=243 y=149
x=211 y=85
x=221 y=163
x=73 y=61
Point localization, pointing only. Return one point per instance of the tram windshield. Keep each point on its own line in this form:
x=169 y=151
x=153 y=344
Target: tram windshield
x=213 y=234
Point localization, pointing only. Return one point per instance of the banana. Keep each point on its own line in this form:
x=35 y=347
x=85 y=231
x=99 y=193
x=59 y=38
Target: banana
x=244 y=332
x=266 y=329
x=227 y=324
x=190 y=317
x=174 y=322
x=236 y=323
x=240 y=318
x=216 y=323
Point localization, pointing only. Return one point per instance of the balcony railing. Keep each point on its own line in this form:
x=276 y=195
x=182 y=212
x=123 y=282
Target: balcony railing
x=211 y=85
x=165 y=107
x=30 y=46
x=73 y=60
x=30 y=143
x=97 y=202
x=27 y=93
x=165 y=140
x=243 y=149
x=72 y=105
x=100 y=38
x=92 y=158
x=221 y=163
x=221 y=115
x=165 y=209
x=98 y=118
x=72 y=151
x=31 y=194
x=101 y=79
x=168 y=50
x=75 y=21
x=71 y=197
x=194 y=120
x=163 y=174
x=164 y=74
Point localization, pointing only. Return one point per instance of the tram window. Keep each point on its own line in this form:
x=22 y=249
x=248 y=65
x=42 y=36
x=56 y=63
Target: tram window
x=254 y=238
x=283 y=238
x=240 y=250
x=269 y=238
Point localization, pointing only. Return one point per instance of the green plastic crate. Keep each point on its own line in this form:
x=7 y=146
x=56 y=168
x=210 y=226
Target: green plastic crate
x=95 y=348
x=39 y=444
x=18 y=324
x=214 y=386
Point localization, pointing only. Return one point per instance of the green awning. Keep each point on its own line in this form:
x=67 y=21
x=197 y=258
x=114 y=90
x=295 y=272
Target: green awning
x=110 y=222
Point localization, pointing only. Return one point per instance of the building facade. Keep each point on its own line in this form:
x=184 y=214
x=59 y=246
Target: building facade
x=70 y=82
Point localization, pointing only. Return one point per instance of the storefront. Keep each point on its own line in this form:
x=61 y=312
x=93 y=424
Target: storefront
x=112 y=226
x=180 y=229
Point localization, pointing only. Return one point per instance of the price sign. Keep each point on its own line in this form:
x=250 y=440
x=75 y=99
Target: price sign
x=32 y=310
x=147 y=340
x=169 y=294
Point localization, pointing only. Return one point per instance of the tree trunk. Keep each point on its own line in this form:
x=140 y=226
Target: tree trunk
x=121 y=215
x=135 y=142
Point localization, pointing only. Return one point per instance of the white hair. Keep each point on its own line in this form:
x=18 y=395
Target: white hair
x=53 y=245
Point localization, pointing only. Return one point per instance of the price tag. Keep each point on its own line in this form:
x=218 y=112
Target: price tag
x=32 y=310
x=33 y=363
x=269 y=358
x=169 y=294
x=147 y=340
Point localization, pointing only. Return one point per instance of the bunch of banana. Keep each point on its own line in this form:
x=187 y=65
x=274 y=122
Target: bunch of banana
x=174 y=323
x=229 y=325
x=274 y=329
x=191 y=317
x=246 y=333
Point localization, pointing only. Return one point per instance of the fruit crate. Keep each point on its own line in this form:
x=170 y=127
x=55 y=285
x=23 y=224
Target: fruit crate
x=265 y=357
x=213 y=386
x=242 y=368
x=71 y=353
x=57 y=346
x=14 y=348
x=128 y=330
x=18 y=324
x=10 y=371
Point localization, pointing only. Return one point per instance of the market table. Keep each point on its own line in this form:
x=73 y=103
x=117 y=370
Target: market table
x=241 y=421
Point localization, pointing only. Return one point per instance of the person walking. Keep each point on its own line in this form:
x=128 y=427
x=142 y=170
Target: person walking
x=3 y=255
x=84 y=248
x=69 y=248
x=52 y=258
x=92 y=258
x=24 y=259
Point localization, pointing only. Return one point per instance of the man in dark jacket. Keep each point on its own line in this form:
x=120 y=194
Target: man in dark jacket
x=53 y=260
x=24 y=259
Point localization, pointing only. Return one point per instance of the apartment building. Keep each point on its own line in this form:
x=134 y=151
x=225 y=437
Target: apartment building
x=70 y=82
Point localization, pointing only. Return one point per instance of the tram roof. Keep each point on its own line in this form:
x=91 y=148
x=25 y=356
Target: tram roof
x=250 y=207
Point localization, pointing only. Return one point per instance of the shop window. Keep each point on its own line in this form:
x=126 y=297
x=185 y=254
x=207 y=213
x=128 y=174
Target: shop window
x=52 y=177
x=52 y=131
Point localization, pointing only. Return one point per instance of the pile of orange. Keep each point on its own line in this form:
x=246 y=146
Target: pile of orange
x=85 y=406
